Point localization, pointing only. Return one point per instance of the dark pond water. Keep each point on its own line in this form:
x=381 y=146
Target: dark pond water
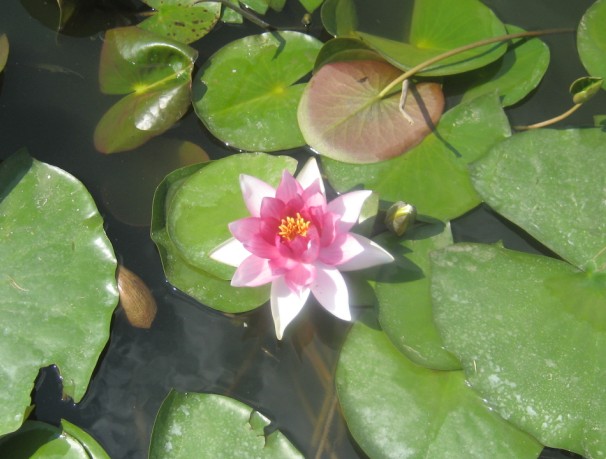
x=50 y=104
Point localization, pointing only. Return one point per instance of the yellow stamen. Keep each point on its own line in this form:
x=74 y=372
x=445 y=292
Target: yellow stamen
x=292 y=227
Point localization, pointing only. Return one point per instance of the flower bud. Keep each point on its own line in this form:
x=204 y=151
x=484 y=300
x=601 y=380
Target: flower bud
x=399 y=217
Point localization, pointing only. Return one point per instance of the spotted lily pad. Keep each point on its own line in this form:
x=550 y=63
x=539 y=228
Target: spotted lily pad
x=247 y=93
x=530 y=333
x=395 y=408
x=212 y=426
x=342 y=115
x=57 y=282
x=591 y=40
x=185 y=21
x=155 y=74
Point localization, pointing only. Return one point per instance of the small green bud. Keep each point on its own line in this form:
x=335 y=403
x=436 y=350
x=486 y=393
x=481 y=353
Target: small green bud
x=399 y=217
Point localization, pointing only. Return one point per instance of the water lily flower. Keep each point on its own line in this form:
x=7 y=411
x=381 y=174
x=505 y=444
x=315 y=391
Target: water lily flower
x=299 y=243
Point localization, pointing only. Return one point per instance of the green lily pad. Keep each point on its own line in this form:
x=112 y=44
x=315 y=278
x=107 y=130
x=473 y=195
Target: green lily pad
x=213 y=426
x=343 y=117
x=395 y=408
x=345 y=49
x=402 y=289
x=57 y=282
x=3 y=51
x=551 y=183
x=433 y=176
x=591 y=40
x=339 y=17
x=155 y=72
x=437 y=27
x=191 y=211
x=247 y=93
x=184 y=21
x=38 y=440
x=514 y=76
x=530 y=333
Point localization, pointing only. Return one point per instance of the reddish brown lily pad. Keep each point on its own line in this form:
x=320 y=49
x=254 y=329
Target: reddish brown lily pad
x=342 y=116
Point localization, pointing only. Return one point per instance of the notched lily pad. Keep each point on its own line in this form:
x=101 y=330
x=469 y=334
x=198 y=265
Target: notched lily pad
x=155 y=73
x=57 y=282
x=342 y=116
x=212 y=426
x=247 y=93
x=184 y=21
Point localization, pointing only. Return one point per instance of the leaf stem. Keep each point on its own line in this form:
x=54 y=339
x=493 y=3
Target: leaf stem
x=550 y=121
x=461 y=49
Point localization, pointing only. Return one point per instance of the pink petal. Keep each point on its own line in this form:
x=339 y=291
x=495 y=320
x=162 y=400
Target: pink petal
x=348 y=207
x=309 y=174
x=244 y=228
x=372 y=255
x=285 y=304
x=344 y=248
x=253 y=192
x=272 y=208
x=331 y=292
x=252 y=272
x=288 y=188
x=300 y=277
x=231 y=253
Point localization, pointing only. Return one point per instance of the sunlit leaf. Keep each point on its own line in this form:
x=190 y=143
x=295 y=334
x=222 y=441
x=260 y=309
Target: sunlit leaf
x=339 y=17
x=591 y=40
x=437 y=27
x=211 y=426
x=551 y=183
x=155 y=73
x=311 y=5
x=395 y=408
x=433 y=176
x=583 y=89
x=247 y=93
x=514 y=76
x=57 y=282
x=3 y=51
x=345 y=49
x=530 y=333
x=38 y=440
x=192 y=208
x=184 y=21
x=402 y=290
x=342 y=116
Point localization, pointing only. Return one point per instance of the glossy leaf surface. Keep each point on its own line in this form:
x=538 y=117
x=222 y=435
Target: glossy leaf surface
x=38 y=440
x=155 y=73
x=192 y=208
x=402 y=290
x=182 y=21
x=247 y=93
x=395 y=408
x=339 y=17
x=58 y=288
x=551 y=183
x=530 y=333
x=345 y=49
x=433 y=176
x=437 y=26
x=342 y=116
x=212 y=426
x=591 y=40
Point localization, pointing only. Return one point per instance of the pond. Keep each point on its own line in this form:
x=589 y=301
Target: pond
x=50 y=103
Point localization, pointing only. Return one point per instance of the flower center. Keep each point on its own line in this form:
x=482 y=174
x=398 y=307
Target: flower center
x=291 y=227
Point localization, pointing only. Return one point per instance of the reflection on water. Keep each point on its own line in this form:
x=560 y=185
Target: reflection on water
x=50 y=103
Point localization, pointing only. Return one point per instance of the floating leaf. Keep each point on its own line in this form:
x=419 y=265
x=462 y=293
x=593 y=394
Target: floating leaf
x=184 y=21
x=38 y=440
x=433 y=176
x=591 y=40
x=583 y=89
x=192 y=208
x=514 y=76
x=155 y=73
x=402 y=291
x=343 y=117
x=247 y=93
x=57 y=282
x=532 y=347
x=3 y=51
x=345 y=49
x=437 y=27
x=311 y=5
x=339 y=17
x=213 y=426
x=395 y=408
x=551 y=183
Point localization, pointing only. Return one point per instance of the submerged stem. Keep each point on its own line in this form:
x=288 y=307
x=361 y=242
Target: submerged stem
x=550 y=121
x=461 y=49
